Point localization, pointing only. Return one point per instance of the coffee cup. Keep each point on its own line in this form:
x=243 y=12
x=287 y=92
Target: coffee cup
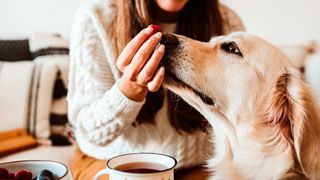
x=139 y=166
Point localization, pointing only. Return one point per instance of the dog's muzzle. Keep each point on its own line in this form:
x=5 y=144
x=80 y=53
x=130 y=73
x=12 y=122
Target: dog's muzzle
x=172 y=45
x=174 y=53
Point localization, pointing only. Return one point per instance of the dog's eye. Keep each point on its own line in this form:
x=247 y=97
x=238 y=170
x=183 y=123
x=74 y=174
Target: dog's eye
x=231 y=47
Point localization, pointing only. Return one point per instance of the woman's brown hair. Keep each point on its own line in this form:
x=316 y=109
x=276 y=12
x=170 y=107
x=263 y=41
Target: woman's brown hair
x=198 y=20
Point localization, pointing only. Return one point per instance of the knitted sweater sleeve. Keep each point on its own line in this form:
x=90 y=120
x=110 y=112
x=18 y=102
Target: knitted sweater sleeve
x=96 y=107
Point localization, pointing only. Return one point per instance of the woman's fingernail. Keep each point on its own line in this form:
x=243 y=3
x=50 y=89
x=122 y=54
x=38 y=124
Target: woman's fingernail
x=162 y=68
x=149 y=30
x=158 y=35
x=161 y=48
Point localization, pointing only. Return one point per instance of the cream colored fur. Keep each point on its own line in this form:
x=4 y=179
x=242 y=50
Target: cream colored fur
x=265 y=123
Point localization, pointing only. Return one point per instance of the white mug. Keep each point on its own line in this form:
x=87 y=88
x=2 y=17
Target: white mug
x=163 y=166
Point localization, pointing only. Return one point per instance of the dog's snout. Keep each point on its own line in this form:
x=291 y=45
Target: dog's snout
x=172 y=46
x=169 y=39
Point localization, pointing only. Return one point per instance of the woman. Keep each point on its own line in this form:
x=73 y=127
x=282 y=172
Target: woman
x=116 y=102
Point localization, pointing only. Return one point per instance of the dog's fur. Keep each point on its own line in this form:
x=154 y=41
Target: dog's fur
x=264 y=117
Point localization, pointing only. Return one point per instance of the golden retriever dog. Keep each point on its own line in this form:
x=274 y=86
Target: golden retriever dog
x=265 y=122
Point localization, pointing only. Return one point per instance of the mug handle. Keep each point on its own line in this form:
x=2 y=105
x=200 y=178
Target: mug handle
x=101 y=172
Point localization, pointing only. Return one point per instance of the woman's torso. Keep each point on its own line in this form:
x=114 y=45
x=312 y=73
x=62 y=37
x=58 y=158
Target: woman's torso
x=189 y=149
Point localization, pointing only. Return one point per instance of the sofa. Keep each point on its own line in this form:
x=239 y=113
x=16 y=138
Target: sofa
x=33 y=88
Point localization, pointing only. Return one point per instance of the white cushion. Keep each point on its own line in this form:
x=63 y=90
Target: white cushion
x=26 y=90
x=39 y=41
x=15 y=82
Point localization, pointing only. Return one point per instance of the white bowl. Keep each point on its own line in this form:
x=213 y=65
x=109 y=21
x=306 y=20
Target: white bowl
x=59 y=170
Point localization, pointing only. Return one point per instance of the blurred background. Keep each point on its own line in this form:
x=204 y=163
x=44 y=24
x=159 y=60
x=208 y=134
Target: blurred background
x=279 y=21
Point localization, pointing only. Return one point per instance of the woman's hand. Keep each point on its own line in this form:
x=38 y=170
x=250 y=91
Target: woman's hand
x=139 y=62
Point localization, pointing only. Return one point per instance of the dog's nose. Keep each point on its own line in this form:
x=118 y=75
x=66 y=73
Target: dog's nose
x=171 y=43
x=169 y=39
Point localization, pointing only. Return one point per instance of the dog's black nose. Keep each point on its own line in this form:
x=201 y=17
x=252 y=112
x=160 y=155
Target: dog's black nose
x=171 y=43
x=169 y=39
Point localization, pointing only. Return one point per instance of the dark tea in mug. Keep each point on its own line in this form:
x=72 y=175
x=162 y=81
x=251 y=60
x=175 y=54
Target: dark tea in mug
x=140 y=167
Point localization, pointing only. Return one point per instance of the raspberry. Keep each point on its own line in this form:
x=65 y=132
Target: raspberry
x=23 y=175
x=156 y=28
x=11 y=175
x=4 y=174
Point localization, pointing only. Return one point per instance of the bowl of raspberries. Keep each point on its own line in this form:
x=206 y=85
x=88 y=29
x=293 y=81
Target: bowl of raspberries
x=34 y=170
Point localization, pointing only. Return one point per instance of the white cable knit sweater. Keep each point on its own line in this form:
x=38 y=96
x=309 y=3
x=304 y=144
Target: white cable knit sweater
x=102 y=115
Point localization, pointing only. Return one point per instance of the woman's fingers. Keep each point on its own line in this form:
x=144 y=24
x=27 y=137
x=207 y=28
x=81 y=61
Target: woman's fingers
x=157 y=80
x=151 y=66
x=132 y=47
x=142 y=56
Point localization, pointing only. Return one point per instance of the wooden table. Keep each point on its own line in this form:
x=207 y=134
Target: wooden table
x=196 y=173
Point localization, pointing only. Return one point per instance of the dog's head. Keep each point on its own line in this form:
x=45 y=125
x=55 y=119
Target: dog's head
x=250 y=83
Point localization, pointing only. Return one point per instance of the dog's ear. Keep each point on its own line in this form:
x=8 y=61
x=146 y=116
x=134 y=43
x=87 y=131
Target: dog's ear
x=293 y=110
x=305 y=127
